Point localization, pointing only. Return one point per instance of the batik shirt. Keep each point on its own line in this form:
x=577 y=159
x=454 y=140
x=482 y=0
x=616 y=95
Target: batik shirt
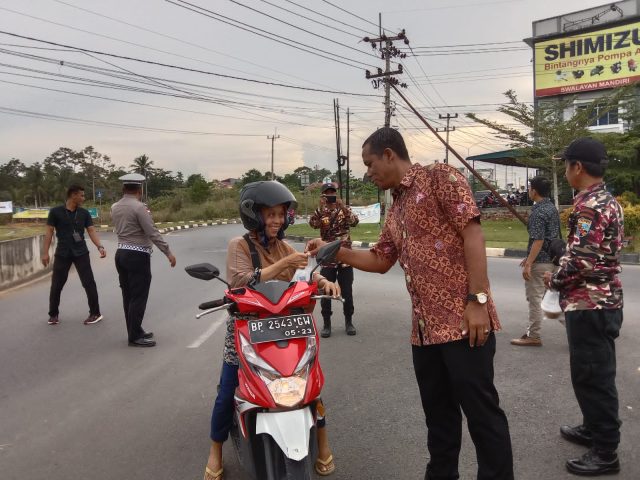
x=334 y=224
x=588 y=274
x=543 y=224
x=422 y=231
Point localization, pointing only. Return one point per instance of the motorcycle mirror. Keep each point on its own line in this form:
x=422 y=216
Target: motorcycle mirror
x=328 y=252
x=203 y=271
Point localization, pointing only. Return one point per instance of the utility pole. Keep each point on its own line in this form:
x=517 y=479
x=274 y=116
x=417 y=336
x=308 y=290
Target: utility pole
x=348 y=168
x=273 y=139
x=448 y=118
x=387 y=77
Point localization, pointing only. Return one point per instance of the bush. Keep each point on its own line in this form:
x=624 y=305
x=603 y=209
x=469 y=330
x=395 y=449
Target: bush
x=631 y=220
x=629 y=199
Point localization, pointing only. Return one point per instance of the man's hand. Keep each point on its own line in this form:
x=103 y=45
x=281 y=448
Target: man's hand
x=331 y=288
x=313 y=246
x=526 y=270
x=172 y=260
x=476 y=324
x=547 y=280
x=45 y=259
x=103 y=252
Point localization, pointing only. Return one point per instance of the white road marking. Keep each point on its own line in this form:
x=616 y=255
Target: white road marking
x=215 y=325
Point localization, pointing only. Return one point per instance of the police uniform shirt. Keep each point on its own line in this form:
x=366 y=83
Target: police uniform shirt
x=134 y=225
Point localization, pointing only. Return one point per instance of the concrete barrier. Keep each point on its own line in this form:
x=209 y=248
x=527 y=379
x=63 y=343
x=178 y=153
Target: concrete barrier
x=20 y=261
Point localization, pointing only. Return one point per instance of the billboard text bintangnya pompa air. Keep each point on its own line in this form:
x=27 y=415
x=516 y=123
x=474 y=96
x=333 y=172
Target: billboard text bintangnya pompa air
x=583 y=61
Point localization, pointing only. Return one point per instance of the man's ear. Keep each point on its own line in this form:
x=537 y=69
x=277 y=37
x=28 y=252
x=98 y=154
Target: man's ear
x=387 y=154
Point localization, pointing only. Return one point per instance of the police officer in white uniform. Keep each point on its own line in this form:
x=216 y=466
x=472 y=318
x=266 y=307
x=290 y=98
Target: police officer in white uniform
x=136 y=234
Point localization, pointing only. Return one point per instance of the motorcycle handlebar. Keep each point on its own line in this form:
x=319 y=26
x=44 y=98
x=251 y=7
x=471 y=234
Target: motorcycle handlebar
x=320 y=297
x=212 y=304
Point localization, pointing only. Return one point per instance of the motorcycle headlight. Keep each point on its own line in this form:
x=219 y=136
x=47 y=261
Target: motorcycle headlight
x=286 y=391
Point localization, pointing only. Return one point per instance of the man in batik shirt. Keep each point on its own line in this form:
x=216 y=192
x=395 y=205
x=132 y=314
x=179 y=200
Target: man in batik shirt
x=334 y=220
x=433 y=231
x=591 y=297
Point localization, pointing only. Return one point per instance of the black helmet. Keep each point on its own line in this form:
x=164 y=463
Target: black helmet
x=256 y=195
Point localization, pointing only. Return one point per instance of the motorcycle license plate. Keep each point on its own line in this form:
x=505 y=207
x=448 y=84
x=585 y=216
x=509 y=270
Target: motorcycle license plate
x=281 y=328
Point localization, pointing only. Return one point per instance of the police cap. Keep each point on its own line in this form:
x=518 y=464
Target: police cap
x=327 y=186
x=132 y=179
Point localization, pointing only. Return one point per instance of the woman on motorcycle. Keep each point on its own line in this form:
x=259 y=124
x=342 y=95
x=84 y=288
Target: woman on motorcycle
x=263 y=210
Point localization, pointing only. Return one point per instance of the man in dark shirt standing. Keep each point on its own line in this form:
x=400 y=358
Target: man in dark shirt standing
x=543 y=226
x=69 y=222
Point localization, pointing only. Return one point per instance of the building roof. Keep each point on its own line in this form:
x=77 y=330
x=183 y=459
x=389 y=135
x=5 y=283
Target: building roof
x=503 y=157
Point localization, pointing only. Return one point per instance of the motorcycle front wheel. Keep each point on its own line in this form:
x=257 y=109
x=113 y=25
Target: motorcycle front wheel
x=297 y=470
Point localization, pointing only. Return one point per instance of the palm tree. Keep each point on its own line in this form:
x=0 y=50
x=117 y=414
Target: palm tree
x=34 y=178
x=142 y=165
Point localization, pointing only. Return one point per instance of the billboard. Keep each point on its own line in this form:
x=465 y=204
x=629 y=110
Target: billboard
x=6 y=207
x=585 y=61
x=368 y=214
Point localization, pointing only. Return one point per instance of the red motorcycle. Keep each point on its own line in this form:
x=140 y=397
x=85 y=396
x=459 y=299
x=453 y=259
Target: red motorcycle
x=280 y=379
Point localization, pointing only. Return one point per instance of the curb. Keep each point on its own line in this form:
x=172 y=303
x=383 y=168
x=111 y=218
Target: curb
x=185 y=226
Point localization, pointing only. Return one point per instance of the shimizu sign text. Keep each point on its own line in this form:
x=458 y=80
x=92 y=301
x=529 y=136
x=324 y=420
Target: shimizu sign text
x=596 y=60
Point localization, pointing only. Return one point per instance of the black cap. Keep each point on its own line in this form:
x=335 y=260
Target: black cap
x=328 y=186
x=586 y=149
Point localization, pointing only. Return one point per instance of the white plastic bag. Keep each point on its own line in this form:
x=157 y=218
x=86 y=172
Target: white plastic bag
x=551 y=304
x=302 y=274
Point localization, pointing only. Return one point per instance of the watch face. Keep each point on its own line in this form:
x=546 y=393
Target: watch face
x=482 y=298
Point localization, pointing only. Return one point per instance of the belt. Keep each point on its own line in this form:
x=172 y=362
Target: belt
x=135 y=248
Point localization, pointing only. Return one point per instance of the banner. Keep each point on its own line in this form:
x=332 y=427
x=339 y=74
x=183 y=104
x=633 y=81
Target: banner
x=368 y=214
x=585 y=61
x=32 y=213
x=6 y=207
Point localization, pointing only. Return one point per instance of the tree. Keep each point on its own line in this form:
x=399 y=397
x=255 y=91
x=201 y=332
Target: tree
x=623 y=171
x=193 y=178
x=35 y=182
x=541 y=133
x=250 y=176
x=199 y=190
x=142 y=165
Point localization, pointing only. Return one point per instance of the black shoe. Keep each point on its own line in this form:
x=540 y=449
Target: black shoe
x=348 y=326
x=326 y=329
x=147 y=335
x=580 y=435
x=595 y=462
x=142 y=342
x=53 y=320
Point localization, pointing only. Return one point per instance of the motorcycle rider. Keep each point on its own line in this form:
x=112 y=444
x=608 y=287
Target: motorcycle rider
x=263 y=210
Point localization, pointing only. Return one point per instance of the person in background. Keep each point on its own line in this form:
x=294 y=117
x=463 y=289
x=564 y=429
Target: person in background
x=591 y=298
x=334 y=220
x=70 y=222
x=136 y=233
x=543 y=226
x=433 y=230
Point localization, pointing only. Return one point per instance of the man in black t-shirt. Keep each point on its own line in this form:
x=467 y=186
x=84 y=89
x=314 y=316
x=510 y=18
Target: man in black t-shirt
x=69 y=222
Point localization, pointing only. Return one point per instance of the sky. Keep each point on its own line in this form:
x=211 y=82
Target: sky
x=199 y=95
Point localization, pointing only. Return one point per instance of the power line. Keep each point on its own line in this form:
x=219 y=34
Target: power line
x=138 y=27
x=265 y=34
x=47 y=116
x=326 y=16
x=187 y=69
x=311 y=19
x=300 y=28
x=351 y=13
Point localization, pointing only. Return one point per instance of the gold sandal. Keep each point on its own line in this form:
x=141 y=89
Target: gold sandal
x=211 y=475
x=325 y=467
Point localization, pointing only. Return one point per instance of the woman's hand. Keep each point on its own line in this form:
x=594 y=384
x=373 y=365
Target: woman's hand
x=296 y=260
x=330 y=288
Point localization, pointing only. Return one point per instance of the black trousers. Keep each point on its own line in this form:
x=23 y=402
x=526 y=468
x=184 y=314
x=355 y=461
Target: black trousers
x=453 y=376
x=134 y=273
x=592 y=353
x=61 y=266
x=344 y=276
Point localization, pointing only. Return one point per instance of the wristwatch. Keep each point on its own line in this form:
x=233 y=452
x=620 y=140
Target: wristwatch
x=480 y=297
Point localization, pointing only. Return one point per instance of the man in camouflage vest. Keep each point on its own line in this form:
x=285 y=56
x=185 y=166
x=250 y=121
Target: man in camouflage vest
x=591 y=297
x=334 y=220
